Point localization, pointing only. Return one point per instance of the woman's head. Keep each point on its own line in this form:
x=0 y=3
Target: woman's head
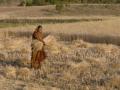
x=39 y=28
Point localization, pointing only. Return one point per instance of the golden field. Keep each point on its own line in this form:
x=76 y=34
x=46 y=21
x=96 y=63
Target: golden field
x=84 y=55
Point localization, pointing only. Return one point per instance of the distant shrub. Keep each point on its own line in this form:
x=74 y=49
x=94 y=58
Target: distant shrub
x=26 y=3
x=45 y=2
x=39 y=2
x=29 y=2
x=59 y=7
x=118 y=1
x=22 y=3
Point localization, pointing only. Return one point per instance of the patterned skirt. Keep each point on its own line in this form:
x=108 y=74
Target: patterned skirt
x=37 y=58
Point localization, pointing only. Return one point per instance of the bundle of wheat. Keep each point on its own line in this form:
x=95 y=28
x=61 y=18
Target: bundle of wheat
x=108 y=48
x=36 y=45
x=2 y=55
x=1 y=45
x=14 y=44
x=81 y=44
x=10 y=72
x=82 y=66
x=52 y=45
x=115 y=81
x=23 y=73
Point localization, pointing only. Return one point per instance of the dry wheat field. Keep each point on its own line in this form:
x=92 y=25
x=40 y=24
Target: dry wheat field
x=82 y=55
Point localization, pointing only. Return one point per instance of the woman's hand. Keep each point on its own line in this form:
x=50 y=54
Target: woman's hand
x=44 y=43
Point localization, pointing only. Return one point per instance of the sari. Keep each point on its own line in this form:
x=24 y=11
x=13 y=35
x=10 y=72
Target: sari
x=38 y=52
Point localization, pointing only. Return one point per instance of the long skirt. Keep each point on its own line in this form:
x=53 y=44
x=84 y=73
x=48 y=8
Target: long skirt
x=37 y=58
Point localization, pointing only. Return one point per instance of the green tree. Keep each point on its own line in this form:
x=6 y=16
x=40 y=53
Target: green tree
x=118 y=1
x=1 y=1
x=39 y=2
x=59 y=5
x=26 y=3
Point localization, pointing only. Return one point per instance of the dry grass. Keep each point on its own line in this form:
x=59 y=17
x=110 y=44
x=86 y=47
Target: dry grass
x=88 y=58
x=106 y=31
x=10 y=72
x=24 y=73
x=85 y=66
x=98 y=27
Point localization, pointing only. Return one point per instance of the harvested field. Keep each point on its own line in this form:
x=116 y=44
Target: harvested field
x=103 y=31
x=79 y=65
x=83 y=50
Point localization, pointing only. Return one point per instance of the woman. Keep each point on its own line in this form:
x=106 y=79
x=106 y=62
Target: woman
x=38 y=55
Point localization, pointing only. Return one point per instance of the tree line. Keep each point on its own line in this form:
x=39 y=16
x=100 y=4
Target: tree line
x=45 y=2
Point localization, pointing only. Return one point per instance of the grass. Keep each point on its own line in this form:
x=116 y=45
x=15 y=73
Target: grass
x=92 y=66
x=90 y=38
x=83 y=55
x=24 y=22
x=103 y=31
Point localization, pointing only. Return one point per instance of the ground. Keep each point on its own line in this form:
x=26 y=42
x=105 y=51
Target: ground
x=83 y=55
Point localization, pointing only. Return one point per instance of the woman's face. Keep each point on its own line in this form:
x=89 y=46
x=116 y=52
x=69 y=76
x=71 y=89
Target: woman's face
x=40 y=30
